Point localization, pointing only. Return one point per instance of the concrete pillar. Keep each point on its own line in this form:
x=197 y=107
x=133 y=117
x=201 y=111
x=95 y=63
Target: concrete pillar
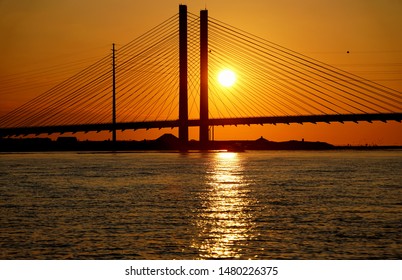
x=204 y=139
x=183 y=84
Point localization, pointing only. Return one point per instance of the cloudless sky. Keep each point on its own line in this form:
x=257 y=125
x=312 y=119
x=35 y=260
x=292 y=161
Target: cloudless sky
x=360 y=36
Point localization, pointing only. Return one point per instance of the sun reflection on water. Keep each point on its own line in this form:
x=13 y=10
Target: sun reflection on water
x=224 y=222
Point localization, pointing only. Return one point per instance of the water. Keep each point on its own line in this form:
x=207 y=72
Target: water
x=253 y=205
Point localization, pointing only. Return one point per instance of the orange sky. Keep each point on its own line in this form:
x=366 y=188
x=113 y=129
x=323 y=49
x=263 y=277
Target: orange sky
x=61 y=37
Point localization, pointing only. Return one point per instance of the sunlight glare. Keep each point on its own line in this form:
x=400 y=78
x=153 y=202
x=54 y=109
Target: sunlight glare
x=227 y=155
x=225 y=220
x=227 y=78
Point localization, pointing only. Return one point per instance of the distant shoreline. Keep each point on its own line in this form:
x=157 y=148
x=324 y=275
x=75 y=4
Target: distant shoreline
x=169 y=142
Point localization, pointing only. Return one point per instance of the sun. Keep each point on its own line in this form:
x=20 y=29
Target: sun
x=227 y=78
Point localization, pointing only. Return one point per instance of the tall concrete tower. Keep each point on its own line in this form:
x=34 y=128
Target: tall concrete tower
x=183 y=84
x=204 y=134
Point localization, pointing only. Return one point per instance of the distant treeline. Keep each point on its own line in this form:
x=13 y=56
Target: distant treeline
x=165 y=142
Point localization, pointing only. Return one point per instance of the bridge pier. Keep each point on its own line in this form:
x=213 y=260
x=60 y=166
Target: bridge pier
x=183 y=84
x=204 y=116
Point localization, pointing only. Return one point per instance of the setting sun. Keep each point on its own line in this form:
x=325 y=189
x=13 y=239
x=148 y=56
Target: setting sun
x=227 y=78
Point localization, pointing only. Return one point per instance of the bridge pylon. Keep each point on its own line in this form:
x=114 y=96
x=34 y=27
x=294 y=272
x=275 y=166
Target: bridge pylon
x=183 y=83
x=204 y=119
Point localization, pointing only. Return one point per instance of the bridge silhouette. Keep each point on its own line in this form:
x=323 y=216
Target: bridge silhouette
x=166 y=78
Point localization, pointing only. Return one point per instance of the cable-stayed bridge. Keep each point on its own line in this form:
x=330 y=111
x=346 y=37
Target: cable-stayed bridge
x=166 y=78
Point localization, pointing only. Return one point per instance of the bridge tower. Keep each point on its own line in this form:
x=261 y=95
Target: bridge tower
x=183 y=83
x=204 y=126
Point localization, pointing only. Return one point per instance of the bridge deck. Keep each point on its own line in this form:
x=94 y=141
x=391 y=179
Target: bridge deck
x=18 y=131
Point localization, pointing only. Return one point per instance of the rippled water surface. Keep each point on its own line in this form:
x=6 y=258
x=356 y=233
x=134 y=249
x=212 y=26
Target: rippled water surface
x=252 y=205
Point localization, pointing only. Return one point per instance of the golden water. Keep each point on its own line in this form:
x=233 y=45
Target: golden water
x=252 y=205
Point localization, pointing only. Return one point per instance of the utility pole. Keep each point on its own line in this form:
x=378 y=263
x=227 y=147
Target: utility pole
x=114 y=96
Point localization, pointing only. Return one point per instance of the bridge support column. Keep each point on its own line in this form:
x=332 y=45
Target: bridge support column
x=183 y=84
x=204 y=118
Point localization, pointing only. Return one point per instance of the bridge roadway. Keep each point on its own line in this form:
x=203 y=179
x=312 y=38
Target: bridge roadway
x=36 y=130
